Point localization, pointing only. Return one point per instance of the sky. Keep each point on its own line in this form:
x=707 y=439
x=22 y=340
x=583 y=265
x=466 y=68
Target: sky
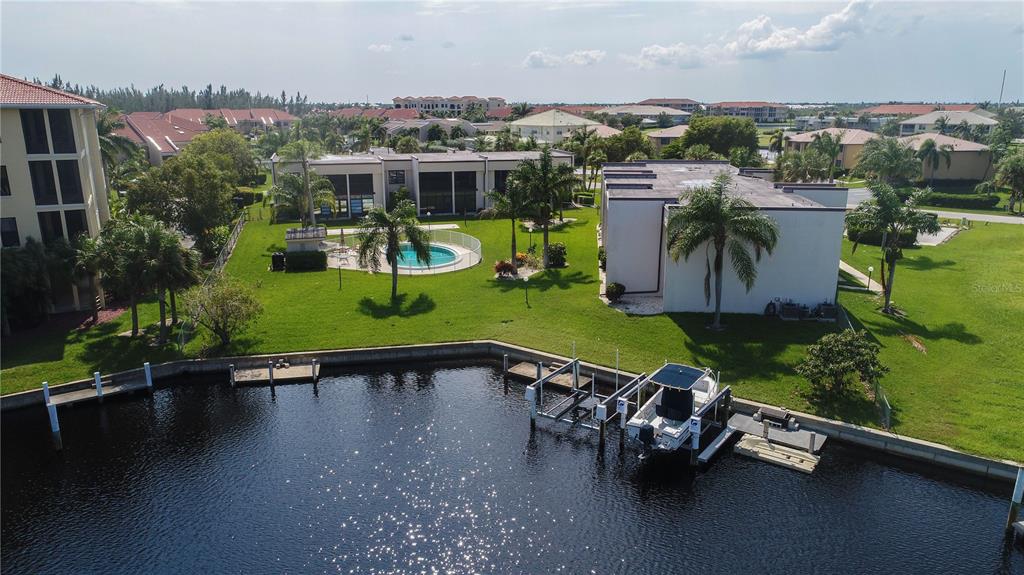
x=551 y=51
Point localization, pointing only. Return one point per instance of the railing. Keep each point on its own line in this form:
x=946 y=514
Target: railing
x=218 y=264
x=317 y=233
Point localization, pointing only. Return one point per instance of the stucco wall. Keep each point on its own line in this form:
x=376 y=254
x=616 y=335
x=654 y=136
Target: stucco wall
x=963 y=166
x=632 y=236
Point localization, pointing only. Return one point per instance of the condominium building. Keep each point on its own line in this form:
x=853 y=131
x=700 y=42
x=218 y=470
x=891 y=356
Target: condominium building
x=244 y=120
x=760 y=112
x=438 y=182
x=649 y=115
x=455 y=104
x=52 y=173
x=851 y=143
x=930 y=122
x=162 y=135
x=681 y=104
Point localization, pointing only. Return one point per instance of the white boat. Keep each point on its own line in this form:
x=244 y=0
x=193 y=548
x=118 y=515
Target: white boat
x=663 y=423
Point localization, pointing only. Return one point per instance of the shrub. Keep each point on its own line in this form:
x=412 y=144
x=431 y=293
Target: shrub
x=222 y=306
x=305 y=261
x=872 y=238
x=244 y=198
x=602 y=257
x=836 y=357
x=258 y=180
x=522 y=258
x=970 y=201
x=556 y=255
x=504 y=268
x=614 y=291
x=213 y=242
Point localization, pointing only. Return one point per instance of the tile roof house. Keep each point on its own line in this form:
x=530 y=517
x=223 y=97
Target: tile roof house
x=913 y=109
x=382 y=113
x=24 y=94
x=851 y=143
x=162 y=135
x=551 y=126
x=243 y=120
x=662 y=138
x=927 y=122
x=969 y=161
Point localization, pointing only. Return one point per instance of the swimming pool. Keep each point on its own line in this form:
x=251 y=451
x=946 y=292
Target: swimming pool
x=439 y=256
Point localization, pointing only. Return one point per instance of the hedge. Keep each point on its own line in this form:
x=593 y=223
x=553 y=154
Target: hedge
x=305 y=261
x=970 y=201
x=556 y=255
x=247 y=197
x=907 y=239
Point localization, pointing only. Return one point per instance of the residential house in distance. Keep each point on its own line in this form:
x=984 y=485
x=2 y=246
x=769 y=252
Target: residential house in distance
x=681 y=104
x=862 y=122
x=244 y=120
x=550 y=127
x=969 y=161
x=664 y=137
x=161 y=135
x=926 y=122
x=422 y=127
x=899 y=109
x=638 y=198
x=451 y=104
x=851 y=143
x=52 y=174
x=438 y=182
x=760 y=112
x=649 y=114
x=382 y=113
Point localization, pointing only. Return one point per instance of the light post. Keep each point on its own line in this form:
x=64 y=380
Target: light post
x=526 y=280
x=871 y=270
x=428 y=223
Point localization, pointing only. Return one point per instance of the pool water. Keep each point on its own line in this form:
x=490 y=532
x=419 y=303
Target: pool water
x=433 y=468
x=439 y=256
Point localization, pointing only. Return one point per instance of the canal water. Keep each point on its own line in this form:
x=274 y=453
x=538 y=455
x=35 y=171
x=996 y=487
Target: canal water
x=423 y=470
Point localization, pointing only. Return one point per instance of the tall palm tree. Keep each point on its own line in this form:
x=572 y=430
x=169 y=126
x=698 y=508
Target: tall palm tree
x=830 y=146
x=173 y=267
x=303 y=152
x=886 y=214
x=887 y=160
x=124 y=259
x=597 y=158
x=513 y=203
x=964 y=130
x=1010 y=174
x=942 y=125
x=505 y=140
x=721 y=223
x=584 y=140
x=931 y=154
x=112 y=144
x=290 y=192
x=777 y=141
x=545 y=184
x=382 y=234
x=520 y=110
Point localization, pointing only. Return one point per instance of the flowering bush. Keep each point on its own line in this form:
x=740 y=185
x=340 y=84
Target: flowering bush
x=521 y=258
x=504 y=268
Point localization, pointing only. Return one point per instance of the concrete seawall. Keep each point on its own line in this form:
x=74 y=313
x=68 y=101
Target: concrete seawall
x=907 y=447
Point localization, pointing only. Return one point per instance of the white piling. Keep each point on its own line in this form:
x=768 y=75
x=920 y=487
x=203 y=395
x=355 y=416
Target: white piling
x=574 y=350
x=270 y=373
x=810 y=448
x=149 y=376
x=231 y=374
x=51 y=410
x=314 y=371
x=504 y=360
x=1016 y=500
x=46 y=393
x=99 y=385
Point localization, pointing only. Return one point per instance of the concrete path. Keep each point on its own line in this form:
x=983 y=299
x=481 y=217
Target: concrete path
x=979 y=217
x=874 y=286
x=944 y=234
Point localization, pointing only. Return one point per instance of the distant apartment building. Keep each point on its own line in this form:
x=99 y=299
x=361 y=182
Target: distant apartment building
x=649 y=114
x=448 y=104
x=550 y=127
x=382 y=113
x=851 y=143
x=681 y=104
x=901 y=109
x=52 y=174
x=927 y=122
x=760 y=112
x=862 y=122
x=244 y=120
x=160 y=135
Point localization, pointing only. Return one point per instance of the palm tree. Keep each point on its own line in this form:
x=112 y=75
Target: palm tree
x=886 y=214
x=112 y=144
x=806 y=166
x=505 y=140
x=777 y=141
x=1010 y=174
x=545 y=184
x=87 y=264
x=597 y=158
x=724 y=223
x=382 y=234
x=172 y=267
x=583 y=140
x=290 y=192
x=513 y=203
x=931 y=154
x=942 y=125
x=519 y=110
x=830 y=146
x=964 y=130
x=124 y=259
x=888 y=160
x=303 y=151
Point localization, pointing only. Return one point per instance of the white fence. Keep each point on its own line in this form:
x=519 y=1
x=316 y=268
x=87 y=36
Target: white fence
x=470 y=255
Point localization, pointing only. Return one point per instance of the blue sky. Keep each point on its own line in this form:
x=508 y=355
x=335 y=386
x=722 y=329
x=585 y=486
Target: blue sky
x=587 y=51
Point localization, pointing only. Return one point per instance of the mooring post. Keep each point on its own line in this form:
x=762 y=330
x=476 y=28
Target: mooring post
x=270 y=373
x=600 y=436
x=314 y=371
x=231 y=374
x=531 y=398
x=51 y=410
x=694 y=439
x=99 y=385
x=810 y=448
x=574 y=349
x=504 y=362
x=575 y=373
x=149 y=376
x=1016 y=501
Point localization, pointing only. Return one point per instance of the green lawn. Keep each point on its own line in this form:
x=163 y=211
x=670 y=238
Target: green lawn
x=963 y=301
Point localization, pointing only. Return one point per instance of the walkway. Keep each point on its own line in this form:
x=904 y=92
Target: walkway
x=337 y=231
x=875 y=286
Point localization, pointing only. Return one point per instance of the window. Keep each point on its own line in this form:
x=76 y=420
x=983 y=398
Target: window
x=360 y=193
x=5 y=184
x=61 y=132
x=436 y=192
x=396 y=177
x=9 y=232
x=33 y=126
x=465 y=192
x=501 y=180
x=70 y=182
x=43 y=187
x=340 y=183
x=76 y=223
x=50 y=227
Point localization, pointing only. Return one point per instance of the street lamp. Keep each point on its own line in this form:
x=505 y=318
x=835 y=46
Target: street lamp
x=428 y=223
x=871 y=270
x=526 y=280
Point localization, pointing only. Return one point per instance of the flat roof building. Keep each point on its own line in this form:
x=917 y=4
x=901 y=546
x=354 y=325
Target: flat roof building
x=760 y=112
x=650 y=114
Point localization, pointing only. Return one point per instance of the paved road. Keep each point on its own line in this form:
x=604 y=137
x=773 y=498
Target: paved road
x=857 y=195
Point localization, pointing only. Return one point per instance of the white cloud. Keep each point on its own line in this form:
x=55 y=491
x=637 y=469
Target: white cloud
x=759 y=38
x=541 y=59
x=406 y=38
x=379 y=48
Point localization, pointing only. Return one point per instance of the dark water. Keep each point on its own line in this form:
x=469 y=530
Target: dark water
x=436 y=471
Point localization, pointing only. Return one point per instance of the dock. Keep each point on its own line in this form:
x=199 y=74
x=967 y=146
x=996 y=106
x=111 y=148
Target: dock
x=788 y=457
x=528 y=370
x=800 y=439
x=280 y=373
x=90 y=394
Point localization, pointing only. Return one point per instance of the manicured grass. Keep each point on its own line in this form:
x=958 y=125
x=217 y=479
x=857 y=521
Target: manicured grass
x=964 y=304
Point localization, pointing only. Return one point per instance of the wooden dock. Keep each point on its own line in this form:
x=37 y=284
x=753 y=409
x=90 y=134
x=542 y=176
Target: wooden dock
x=528 y=371
x=290 y=374
x=89 y=394
x=800 y=439
x=762 y=450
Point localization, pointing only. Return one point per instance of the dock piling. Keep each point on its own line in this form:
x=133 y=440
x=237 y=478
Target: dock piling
x=231 y=374
x=270 y=373
x=99 y=385
x=600 y=436
x=810 y=446
x=504 y=366
x=315 y=378
x=149 y=376
x=51 y=410
x=1016 y=500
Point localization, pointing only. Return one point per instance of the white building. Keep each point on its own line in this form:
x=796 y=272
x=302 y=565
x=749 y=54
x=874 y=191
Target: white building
x=550 y=127
x=452 y=104
x=926 y=123
x=638 y=197
x=649 y=114
x=438 y=182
